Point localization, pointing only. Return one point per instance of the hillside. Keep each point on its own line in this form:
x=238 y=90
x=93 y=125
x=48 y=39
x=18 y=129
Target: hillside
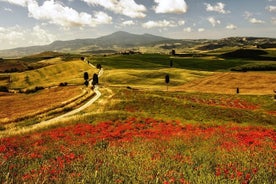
x=148 y=43
x=118 y=40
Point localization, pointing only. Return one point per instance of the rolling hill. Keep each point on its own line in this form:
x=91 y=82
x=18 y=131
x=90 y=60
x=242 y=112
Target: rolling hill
x=119 y=41
x=116 y=41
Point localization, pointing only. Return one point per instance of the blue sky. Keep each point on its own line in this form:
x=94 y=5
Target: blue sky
x=38 y=22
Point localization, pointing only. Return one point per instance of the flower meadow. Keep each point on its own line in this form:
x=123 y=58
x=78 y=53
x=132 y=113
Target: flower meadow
x=141 y=150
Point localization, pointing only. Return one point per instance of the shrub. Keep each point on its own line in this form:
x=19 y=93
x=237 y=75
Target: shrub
x=4 y=89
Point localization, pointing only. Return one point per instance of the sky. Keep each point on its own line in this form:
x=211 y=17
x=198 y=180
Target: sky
x=39 y=22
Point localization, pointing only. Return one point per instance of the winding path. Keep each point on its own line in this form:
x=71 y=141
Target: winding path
x=75 y=111
x=58 y=118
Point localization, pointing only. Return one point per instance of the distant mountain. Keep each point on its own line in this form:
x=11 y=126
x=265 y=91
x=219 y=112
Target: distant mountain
x=114 y=41
x=240 y=42
x=119 y=41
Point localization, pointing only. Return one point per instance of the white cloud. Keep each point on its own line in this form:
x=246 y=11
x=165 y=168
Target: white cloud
x=181 y=22
x=170 y=6
x=219 y=7
x=249 y=16
x=200 y=29
x=8 y=9
x=100 y=18
x=213 y=21
x=128 y=23
x=188 y=29
x=56 y=13
x=256 y=21
x=273 y=20
x=41 y=36
x=11 y=36
x=231 y=26
x=160 y=24
x=18 y=2
x=271 y=8
x=17 y=36
x=125 y=7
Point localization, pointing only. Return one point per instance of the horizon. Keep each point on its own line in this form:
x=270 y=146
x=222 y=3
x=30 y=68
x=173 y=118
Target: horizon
x=138 y=34
x=25 y=23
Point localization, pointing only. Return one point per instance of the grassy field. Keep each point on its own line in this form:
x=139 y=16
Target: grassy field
x=155 y=61
x=255 y=83
x=199 y=131
x=70 y=72
x=17 y=106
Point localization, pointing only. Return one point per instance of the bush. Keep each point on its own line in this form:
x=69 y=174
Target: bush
x=37 y=88
x=255 y=67
x=63 y=84
x=4 y=89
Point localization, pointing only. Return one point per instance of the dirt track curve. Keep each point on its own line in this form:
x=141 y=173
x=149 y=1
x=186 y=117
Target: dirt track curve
x=58 y=118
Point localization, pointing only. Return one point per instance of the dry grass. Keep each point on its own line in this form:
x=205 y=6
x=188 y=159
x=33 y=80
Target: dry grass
x=71 y=72
x=151 y=79
x=248 y=83
x=16 y=106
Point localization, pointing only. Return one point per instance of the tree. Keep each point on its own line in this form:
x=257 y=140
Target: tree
x=82 y=58
x=171 y=63
x=86 y=83
x=85 y=76
x=173 y=52
x=167 y=80
x=99 y=66
x=95 y=79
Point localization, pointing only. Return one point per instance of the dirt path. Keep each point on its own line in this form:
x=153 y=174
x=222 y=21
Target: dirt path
x=43 y=124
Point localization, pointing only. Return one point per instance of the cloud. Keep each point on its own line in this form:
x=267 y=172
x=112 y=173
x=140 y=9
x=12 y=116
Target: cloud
x=55 y=13
x=16 y=36
x=256 y=21
x=219 y=7
x=160 y=24
x=273 y=20
x=172 y=6
x=181 y=22
x=213 y=21
x=200 y=29
x=231 y=26
x=188 y=29
x=100 y=18
x=125 y=7
x=271 y=8
x=128 y=23
x=18 y=2
x=249 y=16
x=58 y=14
x=8 y=9
x=11 y=36
x=41 y=36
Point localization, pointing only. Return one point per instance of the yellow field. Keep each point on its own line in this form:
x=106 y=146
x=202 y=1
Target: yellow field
x=16 y=106
x=70 y=72
x=151 y=79
x=228 y=82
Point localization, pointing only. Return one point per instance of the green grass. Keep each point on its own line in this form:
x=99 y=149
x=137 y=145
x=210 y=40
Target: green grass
x=256 y=66
x=156 y=61
x=153 y=79
x=100 y=148
x=186 y=107
x=70 y=72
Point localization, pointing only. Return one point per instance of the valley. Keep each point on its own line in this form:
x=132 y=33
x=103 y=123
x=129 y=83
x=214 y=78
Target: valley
x=195 y=128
